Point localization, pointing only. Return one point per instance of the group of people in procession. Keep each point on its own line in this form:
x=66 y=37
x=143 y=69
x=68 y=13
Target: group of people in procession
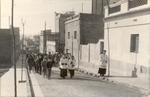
x=43 y=63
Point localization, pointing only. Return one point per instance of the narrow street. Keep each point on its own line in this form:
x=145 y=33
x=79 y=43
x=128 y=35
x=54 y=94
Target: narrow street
x=82 y=86
x=94 y=38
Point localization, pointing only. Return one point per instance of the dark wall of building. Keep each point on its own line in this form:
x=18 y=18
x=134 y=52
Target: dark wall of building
x=6 y=45
x=17 y=42
x=91 y=28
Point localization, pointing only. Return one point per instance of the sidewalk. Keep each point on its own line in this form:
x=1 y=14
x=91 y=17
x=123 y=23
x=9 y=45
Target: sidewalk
x=143 y=85
x=36 y=87
x=7 y=84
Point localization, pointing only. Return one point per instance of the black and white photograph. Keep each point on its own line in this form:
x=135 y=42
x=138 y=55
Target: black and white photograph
x=74 y=48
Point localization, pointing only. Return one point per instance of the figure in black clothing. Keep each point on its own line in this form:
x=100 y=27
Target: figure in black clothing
x=44 y=66
x=49 y=67
x=30 y=61
x=39 y=64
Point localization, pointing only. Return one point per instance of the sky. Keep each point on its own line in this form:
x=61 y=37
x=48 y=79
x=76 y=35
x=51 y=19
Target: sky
x=35 y=13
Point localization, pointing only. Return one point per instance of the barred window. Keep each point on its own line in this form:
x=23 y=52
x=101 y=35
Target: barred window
x=75 y=34
x=68 y=35
x=134 y=43
x=101 y=47
x=136 y=3
x=114 y=9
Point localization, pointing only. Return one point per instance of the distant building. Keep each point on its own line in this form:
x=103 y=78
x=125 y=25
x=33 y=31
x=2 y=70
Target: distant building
x=81 y=30
x=60 y=27
x=127 y=38
x=43 y=39
x=6 y=45
x=49 y=42
x=52 y=43
x=35 y=43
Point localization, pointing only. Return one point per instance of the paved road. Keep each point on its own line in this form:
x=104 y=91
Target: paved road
x=83 y=86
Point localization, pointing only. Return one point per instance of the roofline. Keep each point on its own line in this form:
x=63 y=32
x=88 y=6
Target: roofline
x=129 y=12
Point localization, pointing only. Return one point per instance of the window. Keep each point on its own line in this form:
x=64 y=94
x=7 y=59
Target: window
x=114 y=9
x=75 y=34
x=101 y=47
x=68 y=35
x=136 y=3
x=134 y=43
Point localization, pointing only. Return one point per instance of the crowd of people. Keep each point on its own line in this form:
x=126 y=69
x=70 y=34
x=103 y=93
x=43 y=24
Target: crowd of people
x=43 y=64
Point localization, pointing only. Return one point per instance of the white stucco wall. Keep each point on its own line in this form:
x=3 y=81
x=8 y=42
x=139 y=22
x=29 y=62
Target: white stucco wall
x=120 y=29
x=90 y=53
x=73 y=44
x=51 y=47
x=41 y=44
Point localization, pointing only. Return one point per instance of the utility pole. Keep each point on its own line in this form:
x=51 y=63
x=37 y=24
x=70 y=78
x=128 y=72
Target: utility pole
x=22 y=81
x=14 y=55
x=108 y=44
x=45 y=38
x=82 y=7
x=0 y=13
x=72 y=45
x=9 y=23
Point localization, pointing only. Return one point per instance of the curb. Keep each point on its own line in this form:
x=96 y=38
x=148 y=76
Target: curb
x=94 y=75
x=145 y=93
x=30 y=83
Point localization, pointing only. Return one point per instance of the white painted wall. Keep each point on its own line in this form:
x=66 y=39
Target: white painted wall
x=41 y=44
x=120 y=28
x=90 y=54
x=73 y=44
x=51 y=47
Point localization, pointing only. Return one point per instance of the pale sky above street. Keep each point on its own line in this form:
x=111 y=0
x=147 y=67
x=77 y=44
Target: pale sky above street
x=36 y=12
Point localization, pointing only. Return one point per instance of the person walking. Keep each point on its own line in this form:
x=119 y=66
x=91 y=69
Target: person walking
x=44 y=66
x=30 y=62
x=103 y=64
x=40 y=63
x=71 y=66
x=63 y=66
x=49 y=67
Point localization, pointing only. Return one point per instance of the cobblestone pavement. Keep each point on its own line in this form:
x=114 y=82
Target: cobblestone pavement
x=83 y=85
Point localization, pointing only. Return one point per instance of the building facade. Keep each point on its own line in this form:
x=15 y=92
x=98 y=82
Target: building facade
x=52 y=43
x=127 y=37
x=49 y=42
x=82 y=29
x=6 y=45
x=60 y=27
x=51 y=47
x=43 y=39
